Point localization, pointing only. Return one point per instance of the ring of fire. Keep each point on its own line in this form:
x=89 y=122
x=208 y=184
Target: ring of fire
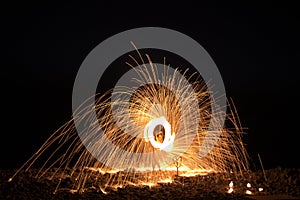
x=168 y=139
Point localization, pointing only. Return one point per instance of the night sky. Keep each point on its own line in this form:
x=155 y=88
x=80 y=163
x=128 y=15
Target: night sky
x=256 y=48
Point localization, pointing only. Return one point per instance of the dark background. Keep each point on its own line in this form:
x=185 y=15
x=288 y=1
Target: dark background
x=254 y=46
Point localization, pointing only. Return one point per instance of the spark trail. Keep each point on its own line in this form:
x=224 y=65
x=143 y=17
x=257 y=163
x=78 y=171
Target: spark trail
x=141 y=133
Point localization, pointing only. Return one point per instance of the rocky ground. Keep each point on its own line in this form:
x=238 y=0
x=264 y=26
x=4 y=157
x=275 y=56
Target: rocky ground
x=277 y=183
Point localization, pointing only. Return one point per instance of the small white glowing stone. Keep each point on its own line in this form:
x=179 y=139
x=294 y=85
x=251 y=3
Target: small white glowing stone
x=231 y=184
x=230 y=190
x=248 y=192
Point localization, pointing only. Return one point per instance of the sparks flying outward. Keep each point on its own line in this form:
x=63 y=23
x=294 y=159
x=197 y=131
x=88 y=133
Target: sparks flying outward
x=143 y=133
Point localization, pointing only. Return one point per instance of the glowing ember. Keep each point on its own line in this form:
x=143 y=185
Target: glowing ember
x=102 y=171
x=231 y=184
x=230 y=190
x=165 y=181
x=150 y=184
x=248 y=185
x=191 y=173
x=103 y=190
x=260 y=189
x=248 y=192
x=73 y=191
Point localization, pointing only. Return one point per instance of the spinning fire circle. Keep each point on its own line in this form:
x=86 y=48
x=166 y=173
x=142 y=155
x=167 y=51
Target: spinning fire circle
x=158 y=132
x=106 y=52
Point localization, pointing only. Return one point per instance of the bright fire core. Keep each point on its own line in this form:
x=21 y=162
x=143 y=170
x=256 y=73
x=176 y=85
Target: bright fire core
x=158 y=132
